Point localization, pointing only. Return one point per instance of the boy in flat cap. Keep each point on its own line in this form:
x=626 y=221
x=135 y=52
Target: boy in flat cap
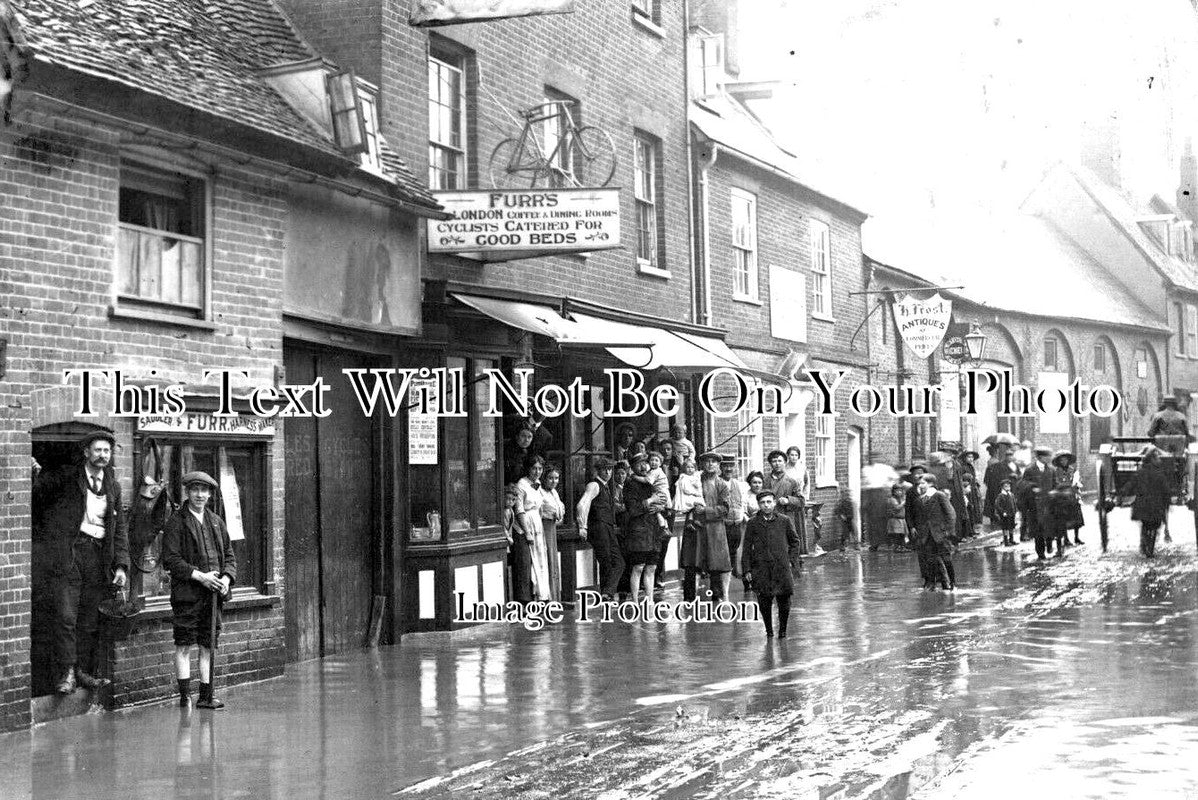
x=771 y=551
x=199 y=556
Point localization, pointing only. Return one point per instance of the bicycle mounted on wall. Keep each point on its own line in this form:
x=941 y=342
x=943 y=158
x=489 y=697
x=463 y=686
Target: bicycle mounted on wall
x=553 y=152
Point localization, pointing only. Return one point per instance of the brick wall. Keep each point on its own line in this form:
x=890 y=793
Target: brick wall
x=1017 y=341
x=57 y=242
x=784 y=213
x=626 y=77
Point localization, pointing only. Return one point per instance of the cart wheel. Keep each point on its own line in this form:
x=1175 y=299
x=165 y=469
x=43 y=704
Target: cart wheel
x=1104 y=491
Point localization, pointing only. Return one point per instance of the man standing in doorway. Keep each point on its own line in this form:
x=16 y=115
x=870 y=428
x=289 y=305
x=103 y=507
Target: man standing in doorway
x=596 y=518
x=85 y=547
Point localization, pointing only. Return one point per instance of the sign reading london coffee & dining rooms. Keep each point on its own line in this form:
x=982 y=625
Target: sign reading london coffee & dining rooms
x=505 y=225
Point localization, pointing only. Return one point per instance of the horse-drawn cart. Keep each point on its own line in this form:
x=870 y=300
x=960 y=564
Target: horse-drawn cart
x=1119 y=461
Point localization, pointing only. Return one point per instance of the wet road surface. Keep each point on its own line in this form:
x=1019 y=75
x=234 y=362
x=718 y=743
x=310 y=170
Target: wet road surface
x=1071 y=678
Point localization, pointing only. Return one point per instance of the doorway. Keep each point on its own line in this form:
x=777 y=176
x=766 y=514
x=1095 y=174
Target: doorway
x=333 y=512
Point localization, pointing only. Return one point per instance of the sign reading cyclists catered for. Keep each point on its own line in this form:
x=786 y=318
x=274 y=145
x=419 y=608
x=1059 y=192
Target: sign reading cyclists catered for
x=504 y=225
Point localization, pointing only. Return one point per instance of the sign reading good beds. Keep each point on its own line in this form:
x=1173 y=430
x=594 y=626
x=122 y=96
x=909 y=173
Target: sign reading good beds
x=503 y=225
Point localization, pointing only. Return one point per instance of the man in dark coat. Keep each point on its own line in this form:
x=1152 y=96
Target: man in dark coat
x=1032 y=495
x=198 y=554
x=935 y=540
x=1151 y=506
x=1001 y=468
x=83 y=543
x=771 y=551
x=788 y=494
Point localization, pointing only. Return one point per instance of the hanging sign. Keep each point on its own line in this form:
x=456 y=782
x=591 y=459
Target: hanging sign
x=923 y=323
x=210 y=424
x=505 y=225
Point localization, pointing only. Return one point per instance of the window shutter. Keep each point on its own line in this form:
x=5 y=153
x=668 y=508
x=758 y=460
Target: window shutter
x=349 y=124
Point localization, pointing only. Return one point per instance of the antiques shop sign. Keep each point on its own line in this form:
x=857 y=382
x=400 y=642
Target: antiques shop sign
x=923 y=323
x=503 y=225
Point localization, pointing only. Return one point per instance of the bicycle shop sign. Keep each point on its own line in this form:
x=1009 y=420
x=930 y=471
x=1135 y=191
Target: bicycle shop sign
x=504 y=225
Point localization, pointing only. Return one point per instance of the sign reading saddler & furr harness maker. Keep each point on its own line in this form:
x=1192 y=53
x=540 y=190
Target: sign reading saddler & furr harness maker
x=504 y=225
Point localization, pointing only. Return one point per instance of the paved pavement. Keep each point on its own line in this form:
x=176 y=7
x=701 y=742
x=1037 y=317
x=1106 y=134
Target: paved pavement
x=1069 y=678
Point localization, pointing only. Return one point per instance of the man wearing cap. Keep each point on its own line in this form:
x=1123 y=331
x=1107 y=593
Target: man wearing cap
x=197 y=553
x=734 y=523
x=771 y=552
x=596 y=518
x=1032 y=494
x=704 y=538
x=788 y=495
x=84 y=546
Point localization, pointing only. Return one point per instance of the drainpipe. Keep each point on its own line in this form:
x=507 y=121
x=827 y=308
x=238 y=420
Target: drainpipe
x=705 y=159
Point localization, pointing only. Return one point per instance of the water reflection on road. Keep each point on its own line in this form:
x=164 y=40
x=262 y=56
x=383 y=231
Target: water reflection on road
x=1078 y=670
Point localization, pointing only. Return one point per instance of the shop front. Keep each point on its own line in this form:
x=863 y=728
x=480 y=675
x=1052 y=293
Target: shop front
x=458 y=466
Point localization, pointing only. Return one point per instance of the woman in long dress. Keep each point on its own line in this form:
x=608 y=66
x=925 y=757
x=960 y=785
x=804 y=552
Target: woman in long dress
x=531 y=501
x=552 y=512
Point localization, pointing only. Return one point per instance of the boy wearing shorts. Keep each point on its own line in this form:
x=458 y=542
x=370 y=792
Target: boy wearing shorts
x=199 y=556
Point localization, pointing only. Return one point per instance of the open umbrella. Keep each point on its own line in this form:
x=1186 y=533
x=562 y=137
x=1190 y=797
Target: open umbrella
x=1001 y=438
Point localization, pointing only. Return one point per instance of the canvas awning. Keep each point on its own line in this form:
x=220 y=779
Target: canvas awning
x=546 y=321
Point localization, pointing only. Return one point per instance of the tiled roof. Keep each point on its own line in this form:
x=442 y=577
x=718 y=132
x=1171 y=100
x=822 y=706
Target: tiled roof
x=1124 y=215
x=205 y=54
x=1009 y=262
x=726 y=121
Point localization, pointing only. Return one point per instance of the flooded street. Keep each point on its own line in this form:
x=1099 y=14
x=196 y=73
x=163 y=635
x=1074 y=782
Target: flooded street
x=1073 y=677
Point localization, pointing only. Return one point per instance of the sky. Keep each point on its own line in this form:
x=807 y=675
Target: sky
x=945 y=103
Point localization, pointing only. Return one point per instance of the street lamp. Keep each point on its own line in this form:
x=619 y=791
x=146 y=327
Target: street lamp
x=975 y=343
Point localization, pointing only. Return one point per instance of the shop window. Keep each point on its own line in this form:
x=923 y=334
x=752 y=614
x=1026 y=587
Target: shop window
x=1179 y=314
x=459 y=494
x=1192 y=331
x=1100 y=358
x=447 y=146
x=161 y=247
x=919 y=440
x=240 y=469
x=1141 y=356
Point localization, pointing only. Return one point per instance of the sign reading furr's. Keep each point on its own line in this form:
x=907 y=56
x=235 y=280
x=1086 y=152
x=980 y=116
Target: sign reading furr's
x=501 y=225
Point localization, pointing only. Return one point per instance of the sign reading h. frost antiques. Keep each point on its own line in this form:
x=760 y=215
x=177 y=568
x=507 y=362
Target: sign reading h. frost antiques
x=923 y=323
x=504 y=225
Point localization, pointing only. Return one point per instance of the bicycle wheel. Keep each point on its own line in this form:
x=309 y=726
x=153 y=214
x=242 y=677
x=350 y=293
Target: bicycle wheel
x=592 y=156
x=511 y=168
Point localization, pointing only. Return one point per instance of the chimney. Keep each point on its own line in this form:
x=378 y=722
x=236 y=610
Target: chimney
x=721 y=16
x=1187 y=184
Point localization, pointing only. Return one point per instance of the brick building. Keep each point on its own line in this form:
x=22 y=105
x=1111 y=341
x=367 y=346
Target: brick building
x=1149 y=247
x=780 y=258
x=448 y=97
x=1051 y=312
x=156 y=162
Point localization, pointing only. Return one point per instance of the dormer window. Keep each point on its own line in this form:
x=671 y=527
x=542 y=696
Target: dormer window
x=353 y=105
x=709 y=57
x=369 y=99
